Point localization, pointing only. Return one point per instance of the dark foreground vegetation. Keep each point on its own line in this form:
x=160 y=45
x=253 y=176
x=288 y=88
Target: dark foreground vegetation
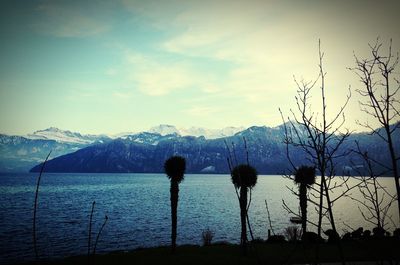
x=386 y=250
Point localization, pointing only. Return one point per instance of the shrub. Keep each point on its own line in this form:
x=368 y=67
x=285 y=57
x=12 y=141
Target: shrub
x=292 y=233
x=207 y=237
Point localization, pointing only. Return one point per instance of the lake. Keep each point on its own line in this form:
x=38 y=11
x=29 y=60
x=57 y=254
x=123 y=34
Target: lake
x=138 y=207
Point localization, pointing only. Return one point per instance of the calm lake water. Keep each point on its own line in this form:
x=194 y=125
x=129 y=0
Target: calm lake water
x=138 y=208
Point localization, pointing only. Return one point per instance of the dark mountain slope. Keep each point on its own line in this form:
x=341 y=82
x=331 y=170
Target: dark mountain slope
x=265 y=147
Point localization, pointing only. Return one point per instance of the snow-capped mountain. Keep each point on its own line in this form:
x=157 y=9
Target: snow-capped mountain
x=19 y=153
x=66 y=136
x=148 y=138
x=122 y=134
x=146 y=152
x=211 y=133
x=165 y=129
x=62 y=136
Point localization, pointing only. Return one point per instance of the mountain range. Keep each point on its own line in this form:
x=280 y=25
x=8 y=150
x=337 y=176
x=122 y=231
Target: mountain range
x=62 y=136
x=21 y=153
x=146 y=152
x=165 y=129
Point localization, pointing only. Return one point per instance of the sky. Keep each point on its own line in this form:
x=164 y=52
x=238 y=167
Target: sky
x=118 y=66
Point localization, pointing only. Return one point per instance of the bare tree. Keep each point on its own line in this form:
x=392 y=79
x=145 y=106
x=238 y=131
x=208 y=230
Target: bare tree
x=375 y=202
x=319 y=138
x=381 y=98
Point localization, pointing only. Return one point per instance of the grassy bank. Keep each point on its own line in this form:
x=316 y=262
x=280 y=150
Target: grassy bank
x=266 y=253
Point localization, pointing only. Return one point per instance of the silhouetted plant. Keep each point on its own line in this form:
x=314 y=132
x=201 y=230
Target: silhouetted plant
x=244 y=177
x=292 y=233
x=35 y=206
x=357 y=233
x=90 y=230
x=304 y=178
x=396 y=233
x=90 y=234
x=98 y=235
x=233 y=159
x=333 y=236
x=175 y=168
x=269 y=219
x=366 y=234
x=207 y=237
x=378 y=232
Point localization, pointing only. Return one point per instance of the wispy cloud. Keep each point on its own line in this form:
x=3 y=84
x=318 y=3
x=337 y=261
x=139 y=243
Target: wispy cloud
x=265 y=40
x=224 y=62
x=156 y=77
x=237 y=34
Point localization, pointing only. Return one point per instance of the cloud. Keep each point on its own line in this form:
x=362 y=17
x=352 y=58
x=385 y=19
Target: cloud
x=263 y=44
x=155 y=77
x=71 y=19
x=241 y=36
x=270 y=36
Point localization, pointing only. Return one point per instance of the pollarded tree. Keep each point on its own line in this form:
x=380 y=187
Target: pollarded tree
x=304 y=178
x=244 y=177
x=174 y=167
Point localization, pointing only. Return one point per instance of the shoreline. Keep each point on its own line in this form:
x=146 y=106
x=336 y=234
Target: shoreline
x=259 y=253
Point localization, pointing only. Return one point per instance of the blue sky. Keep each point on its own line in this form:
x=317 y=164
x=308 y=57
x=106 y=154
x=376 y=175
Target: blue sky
x=115 y=66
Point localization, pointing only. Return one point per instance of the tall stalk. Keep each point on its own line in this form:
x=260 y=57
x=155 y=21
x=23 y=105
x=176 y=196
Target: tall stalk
x=174 y=167
x=98 y=235
x=90 y=228
x=35 y=207
x=174 y=191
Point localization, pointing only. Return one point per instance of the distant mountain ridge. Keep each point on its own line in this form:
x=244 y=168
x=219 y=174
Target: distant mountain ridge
x=20 y=153
x=165 y=129
x=146 y=152
x=64 y=136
